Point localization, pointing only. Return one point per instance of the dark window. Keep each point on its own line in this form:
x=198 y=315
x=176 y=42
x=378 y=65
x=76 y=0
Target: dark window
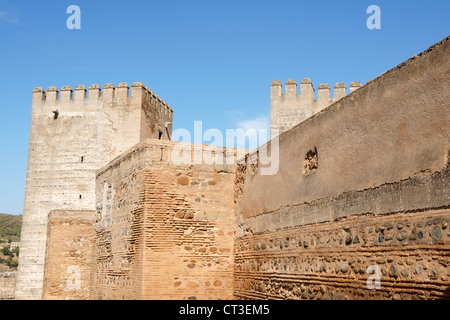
x=311 y=162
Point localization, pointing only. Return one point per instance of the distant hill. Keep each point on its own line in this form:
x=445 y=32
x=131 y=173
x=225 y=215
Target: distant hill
x=10 y=227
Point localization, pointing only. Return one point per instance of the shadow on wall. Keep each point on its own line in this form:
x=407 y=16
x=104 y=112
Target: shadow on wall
x=446 y=295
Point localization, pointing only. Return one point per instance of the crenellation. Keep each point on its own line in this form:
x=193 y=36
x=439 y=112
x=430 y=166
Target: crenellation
x=138 y=92
x=306 y=94
x=66 y=94
x=94 y=94
x=291 y=108
x=355 y=85
x=359 y=187
x=38 y=96
x=276 y=90
x=52 y=94
x=108 y=92
x=122 y=92
x=340 y=91
x=291 y=88
x=376 y=202
x=79 y=94
x=71 y=136
x=323 y=97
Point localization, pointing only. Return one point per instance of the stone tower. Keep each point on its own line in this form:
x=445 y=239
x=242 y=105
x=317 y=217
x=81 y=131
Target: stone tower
x=291 y=108
x=72 y=135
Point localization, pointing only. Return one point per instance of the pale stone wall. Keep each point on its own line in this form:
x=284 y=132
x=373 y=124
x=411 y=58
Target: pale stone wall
x=72 y=136
x=364 y=182
x=7 y=285
x=291 y=108
x=164 y=230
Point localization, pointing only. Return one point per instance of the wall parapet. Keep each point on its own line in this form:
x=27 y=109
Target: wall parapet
x=220 y=159
x=110 y=93
x=292 y=107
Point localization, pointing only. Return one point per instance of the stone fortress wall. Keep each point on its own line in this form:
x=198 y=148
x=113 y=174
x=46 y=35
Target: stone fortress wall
x=165 y=230
x=290 y=108
x=71 y=136
x=7 y=285
x=363 y=185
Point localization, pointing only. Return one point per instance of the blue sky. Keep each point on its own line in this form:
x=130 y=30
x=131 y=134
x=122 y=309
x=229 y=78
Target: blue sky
x=210 y=60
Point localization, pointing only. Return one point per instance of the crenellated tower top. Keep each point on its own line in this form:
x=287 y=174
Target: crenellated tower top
x=292 y=107
x=82 y=98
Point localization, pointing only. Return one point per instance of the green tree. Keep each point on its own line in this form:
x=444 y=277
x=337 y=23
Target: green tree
x=12 y=263
x=5 y=251
x=16 y=251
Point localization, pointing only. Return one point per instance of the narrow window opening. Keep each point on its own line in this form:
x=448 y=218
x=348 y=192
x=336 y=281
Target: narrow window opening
x=55 y=114
x=160 y=134
x=80 y=196
x=82 y=158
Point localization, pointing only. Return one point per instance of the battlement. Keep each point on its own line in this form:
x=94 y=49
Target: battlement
x=94 y=94
x=292 y=107
x=307 y=92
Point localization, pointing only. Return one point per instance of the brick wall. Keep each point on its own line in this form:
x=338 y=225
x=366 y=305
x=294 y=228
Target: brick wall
x=72 y=136
x=292 y=254
x=164 y=231
x=68 y=264
x=363 y=186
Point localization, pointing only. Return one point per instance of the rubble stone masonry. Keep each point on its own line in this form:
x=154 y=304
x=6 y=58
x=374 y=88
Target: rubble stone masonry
x=164 y=231
x=72 y=135
x=358 y=209
x=363 y=187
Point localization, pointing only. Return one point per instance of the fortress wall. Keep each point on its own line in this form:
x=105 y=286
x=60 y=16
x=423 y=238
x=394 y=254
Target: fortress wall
x=118 y=229
x=68 y=263
x=156 y=115
x=363 y=182
x=73 y=133
x=7 y=285
x=176 y=237
x=291 y=107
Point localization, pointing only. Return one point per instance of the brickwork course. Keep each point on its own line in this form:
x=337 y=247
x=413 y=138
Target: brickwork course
x=362 y=193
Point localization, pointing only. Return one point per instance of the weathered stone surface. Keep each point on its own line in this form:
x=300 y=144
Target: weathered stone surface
x=7 y=285
x=348 y=239
x=401 y=236
x=393 y=273
x=413 y=235
x=360 y=178
x=149 y=241
x=405 y=272
x=71 y=137
x=436 y=233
